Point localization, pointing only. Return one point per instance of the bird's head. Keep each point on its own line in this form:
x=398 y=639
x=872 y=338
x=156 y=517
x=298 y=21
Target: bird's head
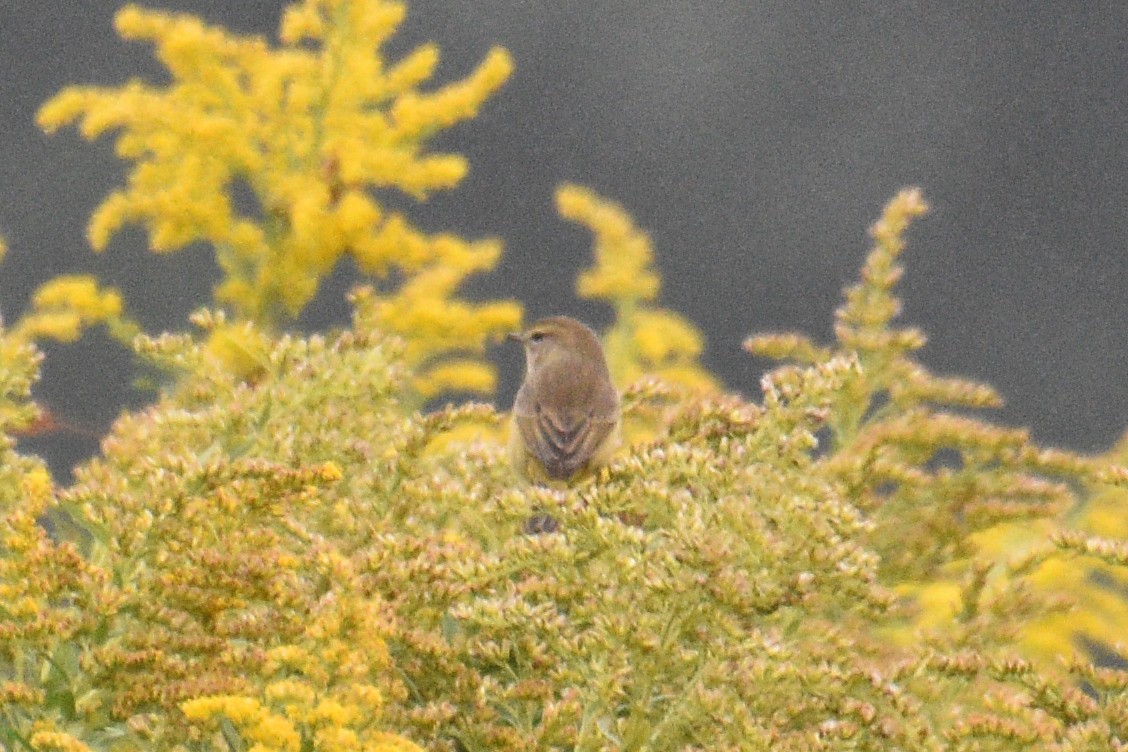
x=558 y=338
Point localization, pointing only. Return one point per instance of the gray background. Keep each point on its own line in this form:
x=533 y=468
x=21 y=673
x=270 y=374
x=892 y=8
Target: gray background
x=756 y=141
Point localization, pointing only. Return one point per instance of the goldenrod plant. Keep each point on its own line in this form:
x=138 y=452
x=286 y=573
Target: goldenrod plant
x=316 y=130
x=50 y=594
x=285 y=553
x=1082 y=566
x=289 y=563
x=207 y=575
x=64 y=307
x=959 y=506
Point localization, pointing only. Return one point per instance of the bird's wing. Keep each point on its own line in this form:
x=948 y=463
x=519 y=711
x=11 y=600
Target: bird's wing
x=563 y=447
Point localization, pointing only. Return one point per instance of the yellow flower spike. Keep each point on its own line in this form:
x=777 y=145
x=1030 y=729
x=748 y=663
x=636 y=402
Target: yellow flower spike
x=289 y=691
x=661 y=335
x=367 y=697
x=332 y=713
x=62 y=109
x=239 y=710
x=432 y=173
x=233 y=290
x=286 y=656
x=416 y=115
x=62 y=308
x=331 y=472
x=313 y=128
x=80 y=294
x=25 y=607
x=63 y=326
x=57 y=740
x=417 y=67
x=623 y=254
x=356 y=214
x=133 y=22
x=240 y=348
x=275 y=732
x=246 y=240
x=316 y=242
x=456 y=376
x=301 y=22
x=37 y=485
x=377 y=21
x=395 y=244
x=107 y=220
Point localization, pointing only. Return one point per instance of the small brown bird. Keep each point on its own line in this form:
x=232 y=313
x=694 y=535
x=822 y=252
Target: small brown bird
x=566 y=414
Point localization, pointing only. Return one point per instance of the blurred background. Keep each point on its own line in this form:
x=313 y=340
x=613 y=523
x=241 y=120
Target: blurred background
x=755 y=141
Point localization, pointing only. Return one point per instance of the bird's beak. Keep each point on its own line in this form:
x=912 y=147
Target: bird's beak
x=515 y=337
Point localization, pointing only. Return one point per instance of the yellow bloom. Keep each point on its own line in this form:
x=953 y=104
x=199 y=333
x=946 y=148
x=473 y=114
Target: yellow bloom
x=241 y=348
x=107 y=219
x=414 y=69
x=335 y=738
x=64 y=326
x=275 y=732
x=56 y=740
x=331 y=471
x=61 y=109
x=25 y=607
x=79 y=294
x=661 y=335
x=623 y=254
x=37 y=484
x=64 y=306
x=289 y=691
x=368 y=698
x=237 y=709
x=456 y=376
x=291 y=656
x=311 y=128
x=333 y=713
x=356 y=214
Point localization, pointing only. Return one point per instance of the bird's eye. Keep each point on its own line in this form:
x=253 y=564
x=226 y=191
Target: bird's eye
x=536 y=336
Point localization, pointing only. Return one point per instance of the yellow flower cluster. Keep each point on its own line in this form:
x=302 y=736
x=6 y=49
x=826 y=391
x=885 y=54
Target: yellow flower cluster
x=292 y=561
x=238 y=346
x=623 y=254
x=65 y=306
x=442 y=333
x=644 y=340
x=1084 y=571
x=319 y=690
x=312 y=130
x=50 y=594
x=56 y=741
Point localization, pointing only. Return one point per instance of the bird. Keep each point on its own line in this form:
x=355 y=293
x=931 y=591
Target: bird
x=566 y=416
